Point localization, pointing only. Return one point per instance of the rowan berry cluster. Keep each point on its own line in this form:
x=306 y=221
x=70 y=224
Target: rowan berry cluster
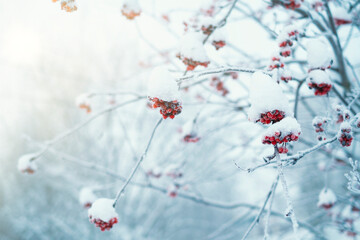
x=168 y=108
x=102 y=224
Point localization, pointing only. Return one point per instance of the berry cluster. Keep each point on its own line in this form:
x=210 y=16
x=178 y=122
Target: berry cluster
x=168 y=108
x=86 y=107
x=271 y=117
x=318 y=6
x=292 y=4
x=102 y=224
x=285 y=52
x=218 y=44
x=216 y=82
x=285 y=76
x=129 y=13
x=155 y=173
x=320 y=89
x=208 y=11
x=207 y=30
x=190 y=63
x=276 y=63
x=345 y=138
x=277 y=138
x=319 y=123
x=191 y=138
x=339 y=21
x=172 y=190
x=341 y=113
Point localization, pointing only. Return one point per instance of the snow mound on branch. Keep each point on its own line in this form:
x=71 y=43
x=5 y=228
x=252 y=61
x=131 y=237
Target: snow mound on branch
x=103 y=209
x=191 y=47
x=86 y=196
x=219 y=35
x=341 y=13
x=26 y=163
x=318 y=77
x=326 y=198
x=162 y=85
x=266 y=95
x=288 y=125
x=318 y=54
x=207 y=21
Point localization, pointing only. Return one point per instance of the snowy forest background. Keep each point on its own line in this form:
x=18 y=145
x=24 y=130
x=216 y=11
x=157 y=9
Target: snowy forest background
x=50 y=57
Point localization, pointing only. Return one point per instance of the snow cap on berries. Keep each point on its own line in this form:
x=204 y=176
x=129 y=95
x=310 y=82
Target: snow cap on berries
x=318 y=77
x=131 y=9
x=87 y=197
x=327 y=198
x=162 y=85
x=191 y=47
x=318 y=54
x=103 y=214
x=285 y=127
x=266 y=96
x=341 y=16
x=26 y=163
x=83 y=101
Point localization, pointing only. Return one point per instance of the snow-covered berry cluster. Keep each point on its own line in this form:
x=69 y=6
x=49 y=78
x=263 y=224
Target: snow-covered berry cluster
x=344 y=136
x=103 y=214
x=219 y=85
x=154 y=172
x=276 y=63
x=283 y=132
x=342 y=113
x=317 y=5
x=192 y=52
x=131 y=9
x=327 y=199
x=168 y=108
x=163 y=93
x=83 y=101
x=341 y=16
x=268 y=102
x=26 y=163
x=189 y=133
x=286 y=39
x=292 y=4
x=208 y=25
x=319 y=124
x=87 y=197
x=234 y=75
x=319 y=81
x=67 y=5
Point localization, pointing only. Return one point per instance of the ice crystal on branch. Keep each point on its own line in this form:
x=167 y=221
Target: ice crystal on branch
x=103 y=214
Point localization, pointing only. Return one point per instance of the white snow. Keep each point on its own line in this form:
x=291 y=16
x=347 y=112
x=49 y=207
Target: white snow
x=318 y=76
x=162 y=85
x=187 y=128
x=25 y=163
x=266 y=95
x=318 y=54
x=340 y=13
x=191 y=47
x=345 y=125
x=83 y=100
x=86 y=196
x=131 y=6
x=326 y=197
x=103 y=209
x=286 y=126
x=219 y=35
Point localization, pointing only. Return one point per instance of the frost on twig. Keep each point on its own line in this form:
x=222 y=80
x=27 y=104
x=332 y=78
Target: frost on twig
x=354 y=177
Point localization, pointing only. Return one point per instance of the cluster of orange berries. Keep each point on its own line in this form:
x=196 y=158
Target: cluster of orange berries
x=129 y=13
x=102 y=224
x=191 y=64
x=216 y=82
x=67 y=5
x=168 y=108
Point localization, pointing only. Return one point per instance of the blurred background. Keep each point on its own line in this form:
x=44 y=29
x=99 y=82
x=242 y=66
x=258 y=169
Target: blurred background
x=49 y=57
